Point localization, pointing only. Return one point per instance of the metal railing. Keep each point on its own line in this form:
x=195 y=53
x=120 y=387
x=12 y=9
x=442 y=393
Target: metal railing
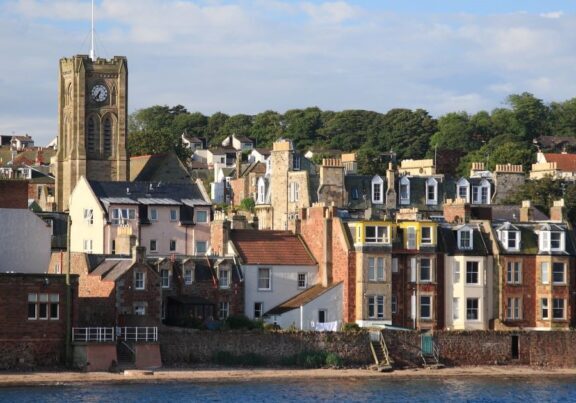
x=111 y=334
x=97 y=334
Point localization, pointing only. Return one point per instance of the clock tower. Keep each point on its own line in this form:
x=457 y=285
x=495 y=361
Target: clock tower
x=92 y=123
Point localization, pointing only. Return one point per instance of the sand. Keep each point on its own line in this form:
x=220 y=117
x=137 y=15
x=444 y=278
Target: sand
x=10 y=379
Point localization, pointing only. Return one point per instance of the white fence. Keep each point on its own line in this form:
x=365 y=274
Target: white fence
x=111 y=334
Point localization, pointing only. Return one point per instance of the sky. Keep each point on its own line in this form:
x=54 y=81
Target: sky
x=249 y=56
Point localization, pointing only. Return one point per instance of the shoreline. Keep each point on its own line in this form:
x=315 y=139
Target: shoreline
x=228 y=375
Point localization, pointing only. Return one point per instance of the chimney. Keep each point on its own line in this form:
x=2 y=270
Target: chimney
x=238 y=164
x=391 y=191
x=239 y=222
x=326 y=269
x=219 y=233
x=557 y=211
x=125 y=241
x=138 y=254
x=456 y=211
x=476 y=168
x=526 y=211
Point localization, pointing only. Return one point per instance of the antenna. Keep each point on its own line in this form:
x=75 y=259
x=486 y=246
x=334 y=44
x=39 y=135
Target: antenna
x=92 y=54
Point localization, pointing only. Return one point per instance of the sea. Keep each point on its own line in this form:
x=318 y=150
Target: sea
x=451 y=389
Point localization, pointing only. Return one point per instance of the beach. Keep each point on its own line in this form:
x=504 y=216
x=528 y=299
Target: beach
x=203 y=375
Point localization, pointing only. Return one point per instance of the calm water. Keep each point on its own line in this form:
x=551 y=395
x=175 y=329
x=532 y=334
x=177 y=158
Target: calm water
x=373 y=390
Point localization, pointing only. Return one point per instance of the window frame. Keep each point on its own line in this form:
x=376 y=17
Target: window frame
x=138 y=280
x=431 y=183
x=88 y=215
x=428 y=239
x=461 y=239
x=201 y=252
x=153 y=214
x=555 y=308
x=267 y=279
x=376 y=306
x=404 y=190
x=258 y=310
x=302 y=280
x=472 y=264
x=514 y=272
x=188 y=276
x=201 y=213
x=514 y=308
x=224 y=278
x=223 y=310
x=165 y=278
x=554 y=272
x=470 y=310
x=429 y=305
x=544 y=307
x=429 y=268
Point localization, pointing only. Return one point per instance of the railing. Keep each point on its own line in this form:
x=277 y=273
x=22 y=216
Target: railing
x=111 y=334
x=137 y=333
x=97 y=334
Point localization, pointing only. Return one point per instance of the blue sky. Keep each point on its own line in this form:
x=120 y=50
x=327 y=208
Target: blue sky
x=248 y=56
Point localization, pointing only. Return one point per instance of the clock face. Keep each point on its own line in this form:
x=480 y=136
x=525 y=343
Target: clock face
x=99 y=93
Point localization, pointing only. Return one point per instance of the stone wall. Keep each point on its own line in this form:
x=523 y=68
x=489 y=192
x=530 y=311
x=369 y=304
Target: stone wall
x=183 y=346
x=459 y=348
x=14 y=194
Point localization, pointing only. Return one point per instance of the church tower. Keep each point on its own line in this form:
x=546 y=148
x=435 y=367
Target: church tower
x=92 y=123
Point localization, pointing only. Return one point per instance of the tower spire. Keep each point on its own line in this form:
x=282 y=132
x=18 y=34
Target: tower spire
x=92 y=53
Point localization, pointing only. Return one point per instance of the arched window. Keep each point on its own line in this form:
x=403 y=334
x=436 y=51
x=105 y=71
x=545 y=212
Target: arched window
x=107 y=132
x=91 y=128
x=404 y=190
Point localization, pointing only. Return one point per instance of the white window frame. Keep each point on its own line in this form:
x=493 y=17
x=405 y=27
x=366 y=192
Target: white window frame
x=545 y=272
x=173 y=214
x=514 y=308
x=223 y=310
x=322 y=315
x=201 y=216
x=293 y=192
x=165 y=278
x=544 y=308
x=472 y=309
x=469 y=265
x=264 y=283
x=153 y=214
x=376 y=269
x=430 y=269
x=377 y=186
x=463 y=184
x=121 y=216
x=199 y=251
x=431 y=183
x=555 y=308
x=261 y=199
x=380 y=234
x=139 y=280
x=545 y=241
x=455 y=308
x=456 y=273
x=506 y=239
x=563 y=281
x=224 y=277
x=88 y=216
x=514 y=272
x=302 y=280
x=87 y=246
x=188 y=276
x=258 y=310
x=463 y=243
x=139 y=309
x=404 y=183
x=394 y=303
x=481 y=192
x=376 y=306
x=32 y=301
x=411 y=238
x=428 y=239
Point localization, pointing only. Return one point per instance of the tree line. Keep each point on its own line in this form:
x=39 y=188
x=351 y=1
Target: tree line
x=456 y=139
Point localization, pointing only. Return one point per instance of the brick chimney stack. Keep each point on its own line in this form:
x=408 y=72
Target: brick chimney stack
x=219 y=233
x=557 y=211
x=526 y=211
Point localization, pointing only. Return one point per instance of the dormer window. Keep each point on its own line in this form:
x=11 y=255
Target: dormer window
x=405 y=190
x=465 y=238
x=509 y=237
x=377 y=190
x=481 y=193
x=550 y=240
x=426 y=233
x=463 y=189
x=261 y=199
x=431 y=191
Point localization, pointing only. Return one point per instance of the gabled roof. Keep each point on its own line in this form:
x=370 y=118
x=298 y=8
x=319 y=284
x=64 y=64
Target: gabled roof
x=303 y=298
x=564 y=162
x=448 y=238
x=271 y=247
x=158 y=167
x=266 y=152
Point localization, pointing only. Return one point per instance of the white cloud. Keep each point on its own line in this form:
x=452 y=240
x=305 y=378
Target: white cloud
x=329 y=12
x=552 y=14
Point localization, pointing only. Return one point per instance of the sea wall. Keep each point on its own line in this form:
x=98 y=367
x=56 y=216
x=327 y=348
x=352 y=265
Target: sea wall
x=182 y=346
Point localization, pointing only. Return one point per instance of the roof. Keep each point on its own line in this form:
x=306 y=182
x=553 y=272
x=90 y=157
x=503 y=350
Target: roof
x=481 y=244
x=159 y=167
x=148 y=192
x=263 y=151
x=303 y=298
x=555 y=141
x=564 y=162
x=271 y=247
x=112 y=269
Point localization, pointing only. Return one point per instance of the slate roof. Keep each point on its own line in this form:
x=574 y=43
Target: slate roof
x=305 y=297
x=564 y=162
x=266 y=152
x=359 y=191
x=141 y=192
x=111 y=269
x=500 y=213
x=529 y=239
x=158 y=167
x=271 y=247
x=550 y=142
x=448 y=241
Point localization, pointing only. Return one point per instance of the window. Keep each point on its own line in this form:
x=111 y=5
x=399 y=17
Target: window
x=556 y=240
x=411 y=231
x=472 y=273
x=139 y=280
x=512 y=243
x=375 y=269
x=188 y=276
x=258 y=310
x=557 y=308
x=88 y=246
x=465 y=239
x=173 y=214
x=302 y=280
x=201 y=216
x=394 y=265
x=57 y=268
x=558 y=276
x=201 y=247
x=43 y=306
x=107 y=131
x=456 y=273
x=426 y=235
x=376 y=306
x=551 y=241
x=293 y=192
x=223 y=310
x=471 y=308
x=513 y=309
x=355 y=194
x=264 y=281
x=425 y=269
x=375 y=234
x=296 y=162
x=224 y=278
x=261 y=191
x=153 y=245
x=88 y=216
x=514 y=273
x=545 y=273
x=544 y=312
x=431 y=191
x=322 y=316
x=394 y=304
x=377 y=187
x=463 y=189
x=139 y=309
x=120 y=216
x=425 y=307
x=165 y=278
x=172 y=245
x=405 y=190
x=455 y=308
x=481 y=193
x=153 y=214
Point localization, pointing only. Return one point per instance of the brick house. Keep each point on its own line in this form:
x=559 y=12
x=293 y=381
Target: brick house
x=33 y=311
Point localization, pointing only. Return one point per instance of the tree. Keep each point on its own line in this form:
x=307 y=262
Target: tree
x=216 y=123
x=301 y=126
x=531 y=114
x=563 y=118
x=454 y=132
x=267 y=127
x=156 y=142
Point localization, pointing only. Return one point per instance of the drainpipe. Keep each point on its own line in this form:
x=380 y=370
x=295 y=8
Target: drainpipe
x=301 y=317
x=68 y=299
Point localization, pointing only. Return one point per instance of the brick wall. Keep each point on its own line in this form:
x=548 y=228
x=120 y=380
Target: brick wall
x=14 y=194
x=181 y=346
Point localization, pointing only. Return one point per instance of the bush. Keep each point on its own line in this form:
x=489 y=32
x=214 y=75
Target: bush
x=334 y=360
x=351 y=327
x=311 y=359
x=247 y=204
x=270 y=327
x=239 y=322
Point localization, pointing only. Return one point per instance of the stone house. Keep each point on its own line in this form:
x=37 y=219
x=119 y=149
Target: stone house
x=555 y=165
x=244 y=185
x=33 y=310
x=167 y=218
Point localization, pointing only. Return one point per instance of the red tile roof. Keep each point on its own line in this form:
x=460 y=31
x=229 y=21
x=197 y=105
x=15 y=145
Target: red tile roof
x=271 y=247
x=564 y=162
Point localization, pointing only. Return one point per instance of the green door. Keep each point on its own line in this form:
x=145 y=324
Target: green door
x=427 y=344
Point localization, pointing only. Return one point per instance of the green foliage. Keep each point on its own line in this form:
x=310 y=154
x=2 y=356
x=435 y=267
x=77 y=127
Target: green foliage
x=236 y=322
x=248 y=204
x=271 y=327
x=351 y=327
x=334 y=360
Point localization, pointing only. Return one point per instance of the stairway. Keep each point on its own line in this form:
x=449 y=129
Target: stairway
x=380 y=352
x=429 y=352
x=125 y=356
